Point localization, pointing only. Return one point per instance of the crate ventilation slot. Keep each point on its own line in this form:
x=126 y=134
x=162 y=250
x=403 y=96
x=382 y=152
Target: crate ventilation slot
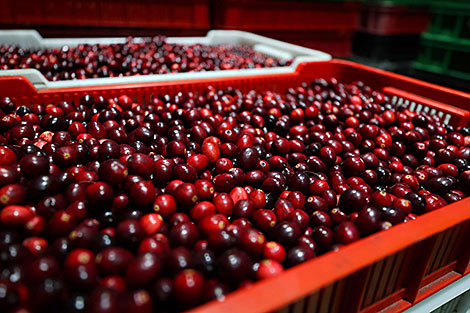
x=418 y=107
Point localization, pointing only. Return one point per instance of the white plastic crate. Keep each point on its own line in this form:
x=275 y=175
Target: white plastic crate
x=267 y=46
x=454 y=298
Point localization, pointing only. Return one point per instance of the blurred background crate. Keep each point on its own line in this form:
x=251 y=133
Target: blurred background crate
x=445 y=46
x=388 y=34
x=182 y=14
x=390 y=18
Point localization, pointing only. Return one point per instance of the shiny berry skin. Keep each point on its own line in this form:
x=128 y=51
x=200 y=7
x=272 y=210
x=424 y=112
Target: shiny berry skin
x=142 y=193
x=184 y=234
x=140 y=164
x=224 y=204
x=113 y=172
x=299 y=254
x=15 y=215
x=346 y=232
x=113 y=260
x=368 y=220
x=33 y=165
x=353 y=166
x=130 y=232
x=234 y=265
x=252 y=241
x=188 y=287
x=103 y=299
x=286 y=233
x=323 y=236
x=268 y=269
x=274 y=251
x=7 y=157
x=319 y=218
x=151 y=223
x=99 y=194
x=186 y=195
x=165 y=205
x=392 y=214
x=143 y=269
x=352 y=200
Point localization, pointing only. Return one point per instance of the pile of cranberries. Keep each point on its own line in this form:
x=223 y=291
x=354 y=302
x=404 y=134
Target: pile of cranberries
x=151 y=56
x=107 y=205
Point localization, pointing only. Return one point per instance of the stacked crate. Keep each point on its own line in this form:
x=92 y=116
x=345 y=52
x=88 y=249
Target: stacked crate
x=388 y=33
x=326 y=26
x=445 y=49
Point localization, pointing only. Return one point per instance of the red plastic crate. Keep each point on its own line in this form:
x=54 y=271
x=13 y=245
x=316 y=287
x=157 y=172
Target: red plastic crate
x=392 y=19
x=180 y=14
x=387 y=271
x=257 y=15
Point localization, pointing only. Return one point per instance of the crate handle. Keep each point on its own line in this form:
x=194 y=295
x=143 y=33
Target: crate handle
x=461 y=117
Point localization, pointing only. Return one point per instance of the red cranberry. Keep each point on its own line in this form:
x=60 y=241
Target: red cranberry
x=346 y=232
x=215 y=290
x=142 y=193
x=188 y=287
x=184 y=234
x=130 y=232
x=234 y=265
x=286 y=233
x=268 y=269
x=14 y=215
x=352 y=200
x=323 y=235
x=299 y=254
x=113 y=261
x=165 y=205
x=104 y=300
x=144 y=269
x=186 y=195
x=353 y=166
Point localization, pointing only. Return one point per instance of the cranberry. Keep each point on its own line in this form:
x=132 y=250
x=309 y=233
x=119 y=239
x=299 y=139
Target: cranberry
x=188 y=287
x=352 y=200
x=204 y=261
x=113 y=172
x=186 y=195
x=215 y=290
x=346 y=232
x=353 y=166
x=32 y=165
x=323 y=235
x=104 y=300
x=99 y=194
x=252 y=241
x=184 y=234
x=130 y=232
x=299 y=254
x=15 y=215
x=143 y=270
x=113 y=260
x=142 y=193
x=234 y=265
x=9 y=295
x=286 y=233
x=179 y=259
x=165 y=205
x=268 y=269
x=319 y=218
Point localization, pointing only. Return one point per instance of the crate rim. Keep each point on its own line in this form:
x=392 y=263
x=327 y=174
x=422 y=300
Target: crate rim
x=304 y=279
x=321 y=271
x=25 y=88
